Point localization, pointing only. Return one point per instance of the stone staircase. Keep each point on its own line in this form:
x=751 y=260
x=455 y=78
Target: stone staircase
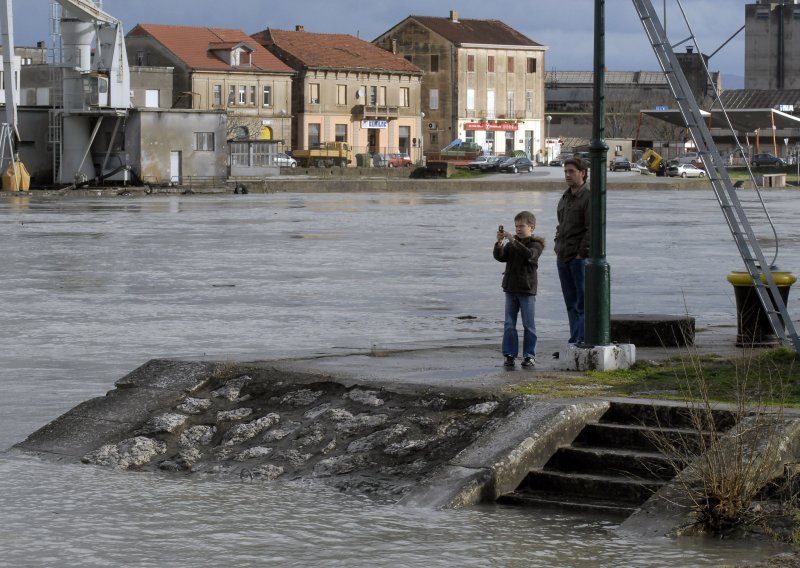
x=617 y=463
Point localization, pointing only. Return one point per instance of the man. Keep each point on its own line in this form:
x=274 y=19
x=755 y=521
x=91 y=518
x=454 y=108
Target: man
x=573 y=234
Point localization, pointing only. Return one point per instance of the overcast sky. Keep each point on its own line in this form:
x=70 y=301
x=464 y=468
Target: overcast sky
x=564 y=26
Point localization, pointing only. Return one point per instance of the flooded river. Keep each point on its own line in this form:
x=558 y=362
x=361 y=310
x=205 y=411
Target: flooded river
x=92 y=288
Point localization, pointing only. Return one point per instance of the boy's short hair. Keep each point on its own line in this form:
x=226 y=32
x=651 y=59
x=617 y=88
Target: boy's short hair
x=526 y=216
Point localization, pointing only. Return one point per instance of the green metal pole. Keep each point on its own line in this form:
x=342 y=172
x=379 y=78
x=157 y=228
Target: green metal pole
x=598 y=273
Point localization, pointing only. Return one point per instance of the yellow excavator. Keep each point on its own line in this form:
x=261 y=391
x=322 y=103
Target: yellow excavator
x=653 y=160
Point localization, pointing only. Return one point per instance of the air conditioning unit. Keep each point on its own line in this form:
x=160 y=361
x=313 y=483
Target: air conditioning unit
x=432 y=125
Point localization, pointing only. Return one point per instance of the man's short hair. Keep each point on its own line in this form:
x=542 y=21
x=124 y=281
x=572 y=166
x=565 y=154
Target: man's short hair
x=527 y=217
x=579 y=163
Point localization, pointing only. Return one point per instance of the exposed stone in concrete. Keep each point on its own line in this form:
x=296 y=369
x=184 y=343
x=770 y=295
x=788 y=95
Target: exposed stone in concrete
x=194 y=405
x=598 y=358
x=361 y=422
x=254 y=452
x=294 y=457
x=375 y=439
x=302 y=397
x=232 y=388
x=484 y=408
x=133 y=452
x=267 y=472
x=243 y=432
x=406 y=447
x=197 y=436
x=365 y=397
x=232 y=415
x=340 y=465
x=168 y=422
x=275 y=434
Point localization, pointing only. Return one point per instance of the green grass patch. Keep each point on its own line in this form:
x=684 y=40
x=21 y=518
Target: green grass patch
x=466 y=173
x=773 y=377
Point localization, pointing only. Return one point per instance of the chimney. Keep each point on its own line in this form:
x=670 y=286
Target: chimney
x=453 y=16
x=299 y=28
x=394 y=45
x=40 y=44
x=689 y=49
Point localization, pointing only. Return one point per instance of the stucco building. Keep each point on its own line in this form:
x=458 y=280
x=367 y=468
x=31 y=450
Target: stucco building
x=483 y=82
x=218 y=69
x=348 y=90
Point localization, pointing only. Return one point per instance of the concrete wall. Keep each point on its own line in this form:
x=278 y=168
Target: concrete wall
x=772 y=46
x=152 y=78
x=34 y=151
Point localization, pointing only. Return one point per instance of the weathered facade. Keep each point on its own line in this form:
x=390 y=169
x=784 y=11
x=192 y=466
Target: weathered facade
x=772 y=45
x=348 y=90
x=483 y=82
x=220 y=69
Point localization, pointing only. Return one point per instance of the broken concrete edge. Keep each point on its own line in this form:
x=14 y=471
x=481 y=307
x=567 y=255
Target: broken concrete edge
x=503 y=455
x=599 y=357
x=670 y=511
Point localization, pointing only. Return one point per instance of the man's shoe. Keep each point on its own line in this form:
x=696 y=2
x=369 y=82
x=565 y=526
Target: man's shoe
x=529 y=362
x=509 y=362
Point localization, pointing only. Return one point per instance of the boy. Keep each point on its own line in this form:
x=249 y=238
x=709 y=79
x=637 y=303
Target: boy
x=521 y=254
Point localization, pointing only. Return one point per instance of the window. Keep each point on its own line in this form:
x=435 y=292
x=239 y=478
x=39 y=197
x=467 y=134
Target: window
x=241 y=133
x=490 y=103
x=266 y=96
x=253 y=95
x=262 y=153
x=405 y=97
x=470 y=99
x=140 y=58
x=232 y=95
x=529 y=101
x=433 y=103
x=382 y=96
x=240 y=154
x=373 y=95
x=408 y=58
x=471 y=63
x=341 y=94
x=151 y=98
x=434 y=63
x=341 y=133
x=242 y=94
x=510 y=103
x=204 y=141
x=313 y=135
x=313 y=89
x=490 y=64
x=216 y=95
x=531 y=65
x=510 y=65
x=434 y=138
x=404 y=139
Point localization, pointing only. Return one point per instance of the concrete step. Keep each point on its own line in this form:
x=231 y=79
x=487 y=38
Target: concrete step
x=608 y=461
x=631 y=437
x=577 y=503
x=666 y=416
x=590 y=487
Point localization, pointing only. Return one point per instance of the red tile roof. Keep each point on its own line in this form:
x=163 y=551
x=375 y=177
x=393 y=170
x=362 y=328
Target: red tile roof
x=333 y=51
x=194 y=45
x=481 y=32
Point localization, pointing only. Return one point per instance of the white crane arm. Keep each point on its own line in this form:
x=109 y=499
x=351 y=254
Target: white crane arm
x=87 y=12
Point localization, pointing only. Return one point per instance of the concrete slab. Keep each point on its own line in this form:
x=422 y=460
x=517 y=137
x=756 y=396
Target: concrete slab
x=598 y=358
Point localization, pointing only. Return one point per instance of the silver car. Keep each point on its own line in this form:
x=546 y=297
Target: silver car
x=284 y=160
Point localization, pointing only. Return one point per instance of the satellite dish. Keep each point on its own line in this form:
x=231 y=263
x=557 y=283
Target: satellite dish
x=359 y=93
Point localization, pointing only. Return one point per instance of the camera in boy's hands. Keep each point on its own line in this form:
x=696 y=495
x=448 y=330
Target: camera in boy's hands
x=500 y=229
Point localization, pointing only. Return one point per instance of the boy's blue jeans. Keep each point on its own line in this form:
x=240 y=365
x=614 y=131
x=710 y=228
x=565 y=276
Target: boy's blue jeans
x=525 y=304
x=571 y=274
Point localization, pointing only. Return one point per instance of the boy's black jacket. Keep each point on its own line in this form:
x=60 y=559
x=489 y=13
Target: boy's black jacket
x=522 y=262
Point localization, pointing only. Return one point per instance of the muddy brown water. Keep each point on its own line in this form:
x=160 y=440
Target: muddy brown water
x=91 y=288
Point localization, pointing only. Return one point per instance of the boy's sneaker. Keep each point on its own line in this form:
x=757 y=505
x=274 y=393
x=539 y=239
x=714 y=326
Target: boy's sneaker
x=529 y=362
x=509 y=362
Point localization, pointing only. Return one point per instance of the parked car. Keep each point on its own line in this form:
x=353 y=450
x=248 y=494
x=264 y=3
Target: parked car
x=478 y=163
x=399 y=161
x=684 y=171
x=493 y=163
x=767 y=159
x=620 y=164
x=517 y=164
x=380 y=160
x=284 y=160
x=559 y=161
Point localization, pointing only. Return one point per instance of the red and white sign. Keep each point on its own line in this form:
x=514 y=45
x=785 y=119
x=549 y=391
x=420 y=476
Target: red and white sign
x=510 y=126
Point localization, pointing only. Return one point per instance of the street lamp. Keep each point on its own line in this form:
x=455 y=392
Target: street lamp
x=547 y=140
x=421 y=136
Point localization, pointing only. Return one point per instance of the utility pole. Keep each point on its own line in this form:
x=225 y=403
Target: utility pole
x=598 y=280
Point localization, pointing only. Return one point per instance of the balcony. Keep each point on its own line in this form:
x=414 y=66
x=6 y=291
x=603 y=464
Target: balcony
x=379 y=112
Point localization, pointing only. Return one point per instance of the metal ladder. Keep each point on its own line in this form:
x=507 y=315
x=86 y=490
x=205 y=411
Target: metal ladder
x=759 y=269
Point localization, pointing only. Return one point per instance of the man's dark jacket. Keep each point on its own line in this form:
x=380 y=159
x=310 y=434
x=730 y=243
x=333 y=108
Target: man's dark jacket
x=573 y=233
